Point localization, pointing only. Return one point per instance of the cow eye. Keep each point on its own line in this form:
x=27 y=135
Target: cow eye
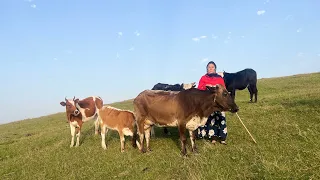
x=225 y=94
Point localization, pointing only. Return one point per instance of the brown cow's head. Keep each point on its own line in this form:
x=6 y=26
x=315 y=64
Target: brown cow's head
x=222 y=98
x=70 y=106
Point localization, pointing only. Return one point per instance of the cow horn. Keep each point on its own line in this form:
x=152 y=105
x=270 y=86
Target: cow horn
x=65 y=98
x=74 y=97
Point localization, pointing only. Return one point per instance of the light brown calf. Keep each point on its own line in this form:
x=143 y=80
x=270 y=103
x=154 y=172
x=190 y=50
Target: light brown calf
x=122 y=121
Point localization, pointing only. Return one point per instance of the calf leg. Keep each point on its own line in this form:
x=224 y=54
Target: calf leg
x=104 y=130
x=152 y=132
x=96 y=126
x=73 y=131
x=182 y=130
x=122 y=139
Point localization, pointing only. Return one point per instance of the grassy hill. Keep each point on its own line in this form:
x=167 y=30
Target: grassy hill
x=285 y=123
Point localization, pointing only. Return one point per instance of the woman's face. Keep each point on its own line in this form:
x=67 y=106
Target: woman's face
x=211 y=69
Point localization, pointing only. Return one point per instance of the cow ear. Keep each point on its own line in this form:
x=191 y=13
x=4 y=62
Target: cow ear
x=63 y=103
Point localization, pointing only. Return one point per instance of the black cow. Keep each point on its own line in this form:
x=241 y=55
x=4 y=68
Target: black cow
x=168 y=87
x=175 y=87
x=240 y=80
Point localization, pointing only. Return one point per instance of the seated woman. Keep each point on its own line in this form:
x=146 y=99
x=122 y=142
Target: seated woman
x=216 y=126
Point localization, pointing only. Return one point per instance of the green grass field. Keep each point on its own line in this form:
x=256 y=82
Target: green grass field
x=285 y=123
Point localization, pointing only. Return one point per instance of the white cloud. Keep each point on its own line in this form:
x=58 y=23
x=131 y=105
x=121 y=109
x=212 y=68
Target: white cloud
x=33 y=6
x=242 y=36
x=289 y=17
x=319 y=54
x=196 y=39
x=214 y=37
x=118 y=55
x=119 y=34
x=300 y=54
x=204 y=60
x=266 y=2
x=229 y=32
x=131 y=49
x=28 y=0
x=261 y=12
x=299 y=30
x=55 y=59
x=68 y=51
x=136 y=33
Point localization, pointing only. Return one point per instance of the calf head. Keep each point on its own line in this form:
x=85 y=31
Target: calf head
x=222 y=98
x=70 y=107
x=188 y=86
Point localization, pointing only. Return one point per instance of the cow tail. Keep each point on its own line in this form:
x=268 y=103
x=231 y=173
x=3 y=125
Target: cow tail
x=135 y=142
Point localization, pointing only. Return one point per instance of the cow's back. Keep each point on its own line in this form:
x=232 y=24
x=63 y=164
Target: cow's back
x=116 y=118
x=156 y=105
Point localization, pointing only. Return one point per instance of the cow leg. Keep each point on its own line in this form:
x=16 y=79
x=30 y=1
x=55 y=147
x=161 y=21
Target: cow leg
x=250 y=89
x=147 y=134
x=73 y=131
x=255 y=93
x=183 y=139
x=141 y=135
x=233 y=94
x=78 y=136
x=166 y=132
x=122 y=139
x=104 y=130
x=192 y=135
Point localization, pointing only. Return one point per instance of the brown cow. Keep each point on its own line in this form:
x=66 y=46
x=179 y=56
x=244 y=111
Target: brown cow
x=187 y=109
x=122 y=121
x=80 y=111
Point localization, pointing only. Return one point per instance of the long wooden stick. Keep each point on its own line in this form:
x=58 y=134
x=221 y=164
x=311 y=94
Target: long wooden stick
x=246 y=128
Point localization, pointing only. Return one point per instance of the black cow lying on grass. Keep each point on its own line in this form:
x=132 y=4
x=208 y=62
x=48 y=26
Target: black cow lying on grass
x=240 y=80
x=169 y=87
x=175 y=87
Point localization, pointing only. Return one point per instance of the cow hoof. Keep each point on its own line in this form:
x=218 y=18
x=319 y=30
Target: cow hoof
x=149 y=149
x=104 y=147
x=143 y=150
x=195 y=151
x=122 y=150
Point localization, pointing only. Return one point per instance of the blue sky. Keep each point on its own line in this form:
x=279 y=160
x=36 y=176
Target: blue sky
x=116 y=49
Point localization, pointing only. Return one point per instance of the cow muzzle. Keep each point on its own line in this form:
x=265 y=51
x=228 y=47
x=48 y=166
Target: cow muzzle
x=76 y=112
x=234 y=110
